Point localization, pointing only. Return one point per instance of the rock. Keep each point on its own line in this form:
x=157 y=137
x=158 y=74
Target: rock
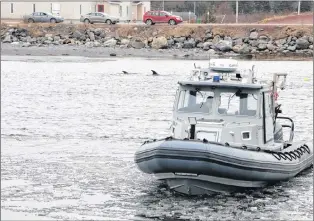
x=254 y=43
x=189 y=44
x=200 y=45
x=155 y=33
x=178 y=45
x=55 y=43
x=262 y=47
x=311 y=47
x=224 y=45
x=91 y=36
x=160 y=43
x=270 y=47
x=28 y=39
x=262 y=41
x=208 y=31
x=253 y=30
x=253 y=35
x=66 y=41
x=47 y=42
x=208 y=36
x=137 y=44
x=246 y=40
x=179 y=40
x=11 y=30
x=227 y=38
x=7 y=39
x=198 y=40
x=311 y=39
x=253 y=50
x=125 y=42
x=26 y=44
x=48 y=36
x=289 y=39
x=77 y=34
x=102 y=35
x=113 y=54
x=110 y=43
x=212 y=51
x=170 y=42
x=302 y=43
x=253 y=209
x=89 y=44
x=263 y=37
x=216 y=39
x=83 y=38
x=292 y=48
x=245 y=49
x=98 y=31
x=50 y=39
x=236 y=48
x=15 y=43
x=207 y=45
x=291 y=43
x=97 y=44
x=238 y=41
x=56 y=38
x=15 y=39
x=280 y=41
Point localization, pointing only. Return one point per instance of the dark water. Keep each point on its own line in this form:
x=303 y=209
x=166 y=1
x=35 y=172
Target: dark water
x=69 y=129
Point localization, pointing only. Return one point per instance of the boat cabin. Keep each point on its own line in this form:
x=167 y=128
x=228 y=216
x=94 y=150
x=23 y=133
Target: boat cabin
x=226 y=107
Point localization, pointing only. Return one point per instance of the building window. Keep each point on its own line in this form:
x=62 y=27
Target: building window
x=127 y=10
x=12 y=8
x=50 y=7
x=80 y=9
x=120 y=10
x=34 y=8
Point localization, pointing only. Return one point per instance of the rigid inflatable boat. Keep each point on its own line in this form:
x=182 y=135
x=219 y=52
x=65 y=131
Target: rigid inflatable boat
x=226 y=134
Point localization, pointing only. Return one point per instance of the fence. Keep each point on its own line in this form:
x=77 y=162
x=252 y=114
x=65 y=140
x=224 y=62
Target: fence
x=283 y=12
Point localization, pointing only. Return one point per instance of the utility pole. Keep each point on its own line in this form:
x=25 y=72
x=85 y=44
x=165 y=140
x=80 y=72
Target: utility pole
x=237 y=11
x=299 y=6
x=194 y=7
x=163 y=5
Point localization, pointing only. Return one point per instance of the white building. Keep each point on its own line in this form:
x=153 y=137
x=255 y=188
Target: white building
x=132 y=10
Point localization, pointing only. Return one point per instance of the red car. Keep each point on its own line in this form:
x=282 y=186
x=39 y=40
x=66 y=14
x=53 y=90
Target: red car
x=153 y=17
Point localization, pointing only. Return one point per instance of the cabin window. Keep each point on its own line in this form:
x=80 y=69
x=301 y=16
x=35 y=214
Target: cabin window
x=34 y=7
x=193 y=101
x=11 y=8
x=237 y=104
x=268 y=105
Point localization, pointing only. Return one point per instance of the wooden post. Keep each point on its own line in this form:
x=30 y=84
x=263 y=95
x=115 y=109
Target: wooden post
x=299 y=6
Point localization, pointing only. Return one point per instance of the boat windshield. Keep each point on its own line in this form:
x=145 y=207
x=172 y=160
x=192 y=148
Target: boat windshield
x=196 y=101
x=228 y=103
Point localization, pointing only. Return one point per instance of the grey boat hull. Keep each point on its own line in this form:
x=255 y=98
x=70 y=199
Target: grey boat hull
x=194 y=168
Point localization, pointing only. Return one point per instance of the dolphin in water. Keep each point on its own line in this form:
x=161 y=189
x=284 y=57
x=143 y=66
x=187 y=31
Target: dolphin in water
x=154 y=72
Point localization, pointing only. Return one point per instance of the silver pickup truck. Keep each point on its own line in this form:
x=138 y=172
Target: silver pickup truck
x=42 y=17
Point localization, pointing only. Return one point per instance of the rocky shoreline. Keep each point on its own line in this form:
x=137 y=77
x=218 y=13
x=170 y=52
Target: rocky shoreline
x=194 y=44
